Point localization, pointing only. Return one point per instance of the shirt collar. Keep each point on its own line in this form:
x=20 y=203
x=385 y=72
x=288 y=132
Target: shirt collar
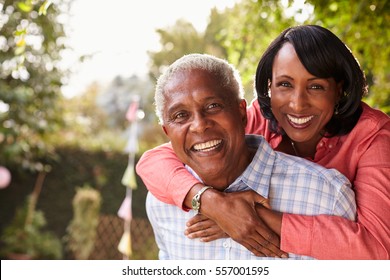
x=257 y=175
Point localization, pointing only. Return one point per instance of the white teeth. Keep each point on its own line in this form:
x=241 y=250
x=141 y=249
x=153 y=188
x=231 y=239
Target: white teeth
x=299 y=120
x=207 y=146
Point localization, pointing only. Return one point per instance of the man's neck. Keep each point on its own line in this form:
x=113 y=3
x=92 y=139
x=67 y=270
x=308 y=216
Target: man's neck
x=222 y=181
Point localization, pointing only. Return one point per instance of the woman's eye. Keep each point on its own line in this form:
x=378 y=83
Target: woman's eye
x=316 y=87
x=284 y=84
x=214 y=105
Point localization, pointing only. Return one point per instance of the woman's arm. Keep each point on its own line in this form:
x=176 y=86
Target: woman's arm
x=330 y=237
x=367 y=238
x=165 y=175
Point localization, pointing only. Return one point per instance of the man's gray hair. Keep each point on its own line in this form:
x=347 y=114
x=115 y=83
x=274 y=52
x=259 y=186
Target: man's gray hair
x=226 y=73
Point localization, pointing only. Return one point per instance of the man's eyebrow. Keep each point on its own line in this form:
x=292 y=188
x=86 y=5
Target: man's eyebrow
x=174 y=107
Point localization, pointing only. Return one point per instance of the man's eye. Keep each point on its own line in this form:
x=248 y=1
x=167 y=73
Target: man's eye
x=179 y=117
x=214 y=107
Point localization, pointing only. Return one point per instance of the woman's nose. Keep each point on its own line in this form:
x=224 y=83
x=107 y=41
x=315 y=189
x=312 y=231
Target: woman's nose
x=298 y=100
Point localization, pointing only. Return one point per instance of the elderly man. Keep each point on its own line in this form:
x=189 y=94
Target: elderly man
x=199 y=101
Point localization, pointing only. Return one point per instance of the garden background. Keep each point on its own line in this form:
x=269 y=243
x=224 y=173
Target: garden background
x=55 y=145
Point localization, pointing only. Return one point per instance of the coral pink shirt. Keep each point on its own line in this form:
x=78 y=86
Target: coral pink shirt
x=363 y=156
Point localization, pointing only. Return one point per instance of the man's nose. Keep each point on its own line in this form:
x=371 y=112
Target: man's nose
x=199 y=123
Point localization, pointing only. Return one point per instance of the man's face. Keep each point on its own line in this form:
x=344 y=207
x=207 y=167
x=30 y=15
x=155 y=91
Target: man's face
x=205 y=124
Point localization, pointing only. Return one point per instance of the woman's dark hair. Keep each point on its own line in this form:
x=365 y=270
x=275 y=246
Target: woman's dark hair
x=323 y=55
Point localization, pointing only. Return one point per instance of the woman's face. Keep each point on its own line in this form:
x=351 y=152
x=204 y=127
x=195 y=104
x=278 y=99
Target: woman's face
x=301 y=103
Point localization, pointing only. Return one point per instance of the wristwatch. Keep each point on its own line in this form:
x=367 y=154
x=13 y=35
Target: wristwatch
x=196 y=199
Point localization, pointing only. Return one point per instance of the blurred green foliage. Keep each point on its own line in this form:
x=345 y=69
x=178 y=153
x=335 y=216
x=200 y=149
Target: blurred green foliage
x=81 y=232
x=31 y=41
x=29 y=239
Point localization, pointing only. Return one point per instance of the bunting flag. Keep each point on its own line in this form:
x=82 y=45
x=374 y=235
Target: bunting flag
x=124 y=245
x=125 y=211
x=131 y=114
x=129 y=180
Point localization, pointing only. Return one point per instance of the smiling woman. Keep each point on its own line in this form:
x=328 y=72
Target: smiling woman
x=301 y=102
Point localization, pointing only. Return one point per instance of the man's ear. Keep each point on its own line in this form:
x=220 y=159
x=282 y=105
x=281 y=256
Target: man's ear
x=242 y=109
x=164 y=129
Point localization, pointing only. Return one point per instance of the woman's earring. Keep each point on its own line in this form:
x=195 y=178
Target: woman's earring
x=336 y=109
x=269 y=89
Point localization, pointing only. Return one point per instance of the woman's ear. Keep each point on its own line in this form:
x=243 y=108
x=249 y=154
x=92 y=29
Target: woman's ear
x=340 y=91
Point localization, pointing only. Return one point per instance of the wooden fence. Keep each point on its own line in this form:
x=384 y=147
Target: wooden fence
x=109 y=233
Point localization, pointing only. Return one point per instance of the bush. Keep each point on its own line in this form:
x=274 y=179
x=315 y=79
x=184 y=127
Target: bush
x=26 y=237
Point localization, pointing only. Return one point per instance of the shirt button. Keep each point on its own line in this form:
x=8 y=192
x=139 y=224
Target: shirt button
x=225 y=244
x=321 y=144
x=330 y=146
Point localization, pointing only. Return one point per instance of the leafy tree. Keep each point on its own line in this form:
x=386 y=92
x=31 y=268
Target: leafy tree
x=116 y=99
x=365 y=27
x=30 y=80
x=248 y=29
x=85 y=123
x=239 y=34
x=175 y=41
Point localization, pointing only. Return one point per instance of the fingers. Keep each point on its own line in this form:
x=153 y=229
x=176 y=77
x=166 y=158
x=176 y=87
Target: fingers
x=264 y=248
x=213 y=236
x=264 y=202
x=268 y=246
x=205 y=232
x=203 y=228
x=196 y=219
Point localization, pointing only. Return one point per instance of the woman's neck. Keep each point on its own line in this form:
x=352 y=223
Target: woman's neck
x=300 y=149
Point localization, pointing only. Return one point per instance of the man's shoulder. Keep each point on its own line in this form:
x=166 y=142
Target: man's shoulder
x=294 y=165
x=300 y=166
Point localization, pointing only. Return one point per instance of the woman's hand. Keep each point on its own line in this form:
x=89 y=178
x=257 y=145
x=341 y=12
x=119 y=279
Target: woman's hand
x=203 y=228
x=235 y=213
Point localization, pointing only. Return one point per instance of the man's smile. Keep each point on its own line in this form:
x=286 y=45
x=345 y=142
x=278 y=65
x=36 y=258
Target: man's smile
x=207 y=146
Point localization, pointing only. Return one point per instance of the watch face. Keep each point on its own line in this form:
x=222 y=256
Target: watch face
x=195 y=204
